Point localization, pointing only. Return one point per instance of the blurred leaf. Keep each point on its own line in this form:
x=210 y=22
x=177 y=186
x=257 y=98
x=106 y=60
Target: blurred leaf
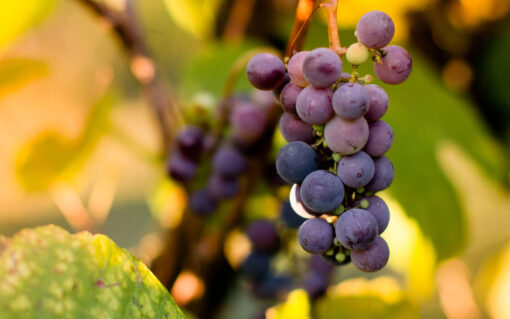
x=423 y=113
x=51 y=156
x=208 y=71
x=48 y=273
x=198 y=17
x=16 y=72
x=19 y=16
x=361 y=307
x=297 y=306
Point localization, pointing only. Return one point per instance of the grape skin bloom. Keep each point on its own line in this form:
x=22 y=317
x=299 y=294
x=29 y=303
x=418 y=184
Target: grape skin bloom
x=316 y=236
x=351 y=101
x=375 y=29
x=346 y=137
x=314 y=106
x=265 y=71
x=295 y=161
x=322 y=191
x=356 y=229
x=322 y=67
x=356 y=170
x=294 y=129
x=373 y=258
x=380 y=138
x=396 y=65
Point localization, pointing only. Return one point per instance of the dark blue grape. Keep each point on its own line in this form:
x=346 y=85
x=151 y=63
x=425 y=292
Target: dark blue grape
x=265 y=71
x=294 y=129
x=271 y=287
x=318 y=265
x=256 y=266
x=295 y=161
x=375 y=29
x=289 y=217
x=289 y=96
x=201 y=202
x=373 y=258
x=383 y=176
x=322 y=67
x=322 y=191
x=263 y=236
x=181 y=168
x=379 y=102
x=316 y=236
x=190 y=141
x=223 y=187
x=351 y=101
x=314 y=106
x=378 y=208
x=356 y=229
x=356 y=170
x=315 y=285
x=380 y=138
x=295 y=68
x=228 y=161
x=297 y=203
x=396 y=65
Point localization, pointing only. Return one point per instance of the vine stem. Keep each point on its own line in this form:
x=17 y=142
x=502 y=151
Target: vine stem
x=331 y=8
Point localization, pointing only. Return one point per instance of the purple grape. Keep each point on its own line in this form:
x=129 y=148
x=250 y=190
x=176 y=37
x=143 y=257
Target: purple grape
x=256 y=266
x=263 y=99
x=202 y=203
x=375 y=29
x=317 y=264
x=180 y=167
x=289 y=216
x=396 y=65
x=293 y=129
x=315 y=285
x=289 y=96
x=297 y=203
x=322 y=67
x=295 y=161
x=380 y=138
x=383 y=176
x=322 y=191
x=378 y=102
x=316 y=236
x=378 y=208
x=263 y=236
x=295 y=68
x=228 y=161
x=346 y=137
x=356 y=170
x=248 y=122
x=265 y=71
x=271 y=287
x=223 y=187
x=276 y=92
x=314 y=106
x=351 y=101
x=356 y=229
x=373 y=258
x=190 y=141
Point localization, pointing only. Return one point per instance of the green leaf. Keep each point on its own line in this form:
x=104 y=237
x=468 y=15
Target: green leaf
x=16 y=72
x=18 y=16
x=48 y=273
x=51 y=156
x=195 y=16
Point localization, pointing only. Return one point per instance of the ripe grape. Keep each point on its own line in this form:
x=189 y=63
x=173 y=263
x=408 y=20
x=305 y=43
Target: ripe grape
x=378 y=208
x=228 y=161
x=396 y=65
x=322 y=67
x=272 y=286
x=276 y=92
x=248 y=122
x=357 y=53
x=265 y=71
x=295 y=161
x=378 y=102
x=380 y=138
x=346 y=137
x=263 y=236
x=356 y=170
x=256 y=265
x=383 y=175
x=316 y=236
x=202 y=203
x=289 y=96
x=373 y=258
x=356 y=229
x=180 y=167
x=314 y=106
x=263 y=99
x=315 y=284
x=322 y=191
x=318 y=265
x=190 y=141
x=351 y=101
x=223 y=187
x=295 y=68
x=293 y=129
x=297 y=203
x=375 y=29
x=289 y=216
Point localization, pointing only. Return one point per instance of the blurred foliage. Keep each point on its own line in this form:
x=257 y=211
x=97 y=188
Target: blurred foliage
x=85 y=276
x=51 y=156
x=15 y=72
x=19 y=16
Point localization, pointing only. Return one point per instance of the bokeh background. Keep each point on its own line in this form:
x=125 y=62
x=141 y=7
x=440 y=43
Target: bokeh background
x=79 y=146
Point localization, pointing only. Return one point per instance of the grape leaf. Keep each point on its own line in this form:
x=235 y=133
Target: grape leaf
x=15 y=72
x=45 y=272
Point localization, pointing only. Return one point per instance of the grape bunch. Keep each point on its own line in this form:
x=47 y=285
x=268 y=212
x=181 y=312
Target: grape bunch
x=337 y=141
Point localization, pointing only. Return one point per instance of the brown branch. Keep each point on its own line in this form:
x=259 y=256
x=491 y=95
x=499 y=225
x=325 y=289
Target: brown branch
x=125 y=26
x=331 y=8
x=304 y=12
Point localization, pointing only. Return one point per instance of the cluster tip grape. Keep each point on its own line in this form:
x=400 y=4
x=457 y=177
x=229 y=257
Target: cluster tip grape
x=337 y=141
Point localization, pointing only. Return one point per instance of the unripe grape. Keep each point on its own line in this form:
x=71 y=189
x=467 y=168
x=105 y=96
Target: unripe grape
x=357 y=54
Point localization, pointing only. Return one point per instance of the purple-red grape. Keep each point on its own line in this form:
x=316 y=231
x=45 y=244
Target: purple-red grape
x=295 y=68
x=396 y=65
x=373 y=258
x=356 y=229
x=223 y=187
x=263 y=236
x=314 y=106
x=201 y=202
x=378 y=208
x=380 y=138
x=228 y=161
x=322 y=67
x=356 y=170
x=351 y=101
x=190 y=141
x=375 y=29
x=180 y=167
x=294 y=129
x=265 y=71
x=316 y=236
x=378 y=102
x=383 y=176
x=248 y=122
x=289 y=96
x=346 y=137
